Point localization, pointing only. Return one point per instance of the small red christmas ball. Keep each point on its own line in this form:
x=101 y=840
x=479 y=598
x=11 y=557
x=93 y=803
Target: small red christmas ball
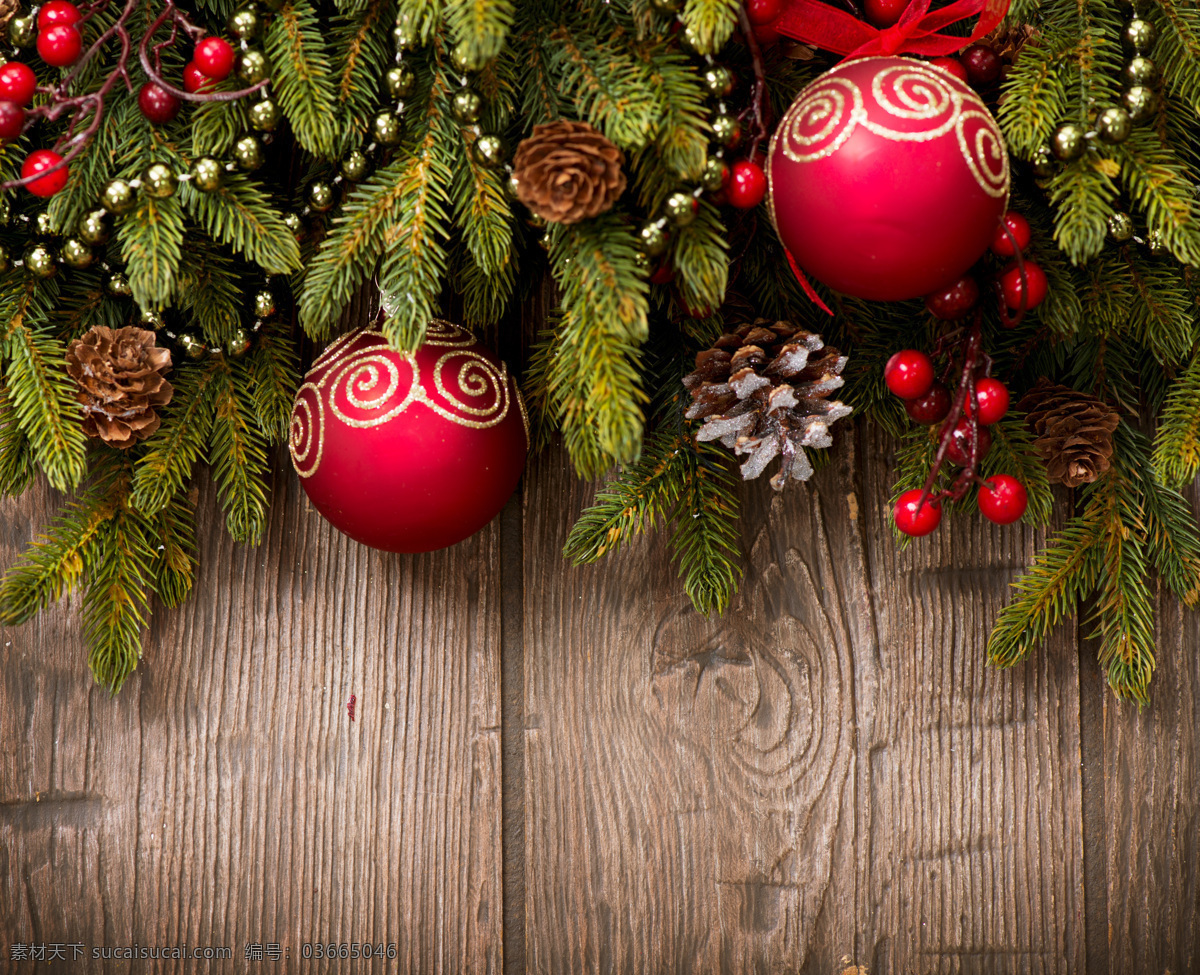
x=958 y=451
x=194 y=79
x=953 y=65
x=1018 y=226
x=12 y=121
x=954 y=301
x=58 y=12
x=763 y=11
x=214 y=56
x=747 y=184
x=931 y=408
x=39 y=161
x=982 y=64
x=1003 y=499
x=408 y=453
x=884 y=13
x=60 y=46
x=914 y=518
x=17 y=83
x=1012 y=285
x=887 y=178
x=993 y=400
x=157 y=104
x=909 y=373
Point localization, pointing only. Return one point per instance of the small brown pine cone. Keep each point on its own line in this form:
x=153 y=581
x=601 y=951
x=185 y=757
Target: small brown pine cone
x=1074 y=432
x=119 y=373
x=567 y=171
x=763 y=391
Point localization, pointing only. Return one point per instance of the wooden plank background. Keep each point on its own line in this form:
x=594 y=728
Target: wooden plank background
x=558 y=770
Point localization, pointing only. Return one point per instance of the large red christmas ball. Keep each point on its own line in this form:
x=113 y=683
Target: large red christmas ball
x=409 y=452
x=888 y=178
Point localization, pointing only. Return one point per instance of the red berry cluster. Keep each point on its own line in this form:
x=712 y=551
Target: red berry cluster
x=211 y=62
x=910 y=375
x=763 y=14
x=59 y=42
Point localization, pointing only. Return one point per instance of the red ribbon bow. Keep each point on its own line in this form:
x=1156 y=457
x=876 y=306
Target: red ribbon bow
x=916 y=32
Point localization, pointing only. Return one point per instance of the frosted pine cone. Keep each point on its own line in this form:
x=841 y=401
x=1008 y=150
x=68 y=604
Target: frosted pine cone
x=763 y=391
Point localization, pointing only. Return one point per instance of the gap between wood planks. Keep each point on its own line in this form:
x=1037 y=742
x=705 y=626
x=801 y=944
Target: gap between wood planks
x=512 y=729
x=1092 y=689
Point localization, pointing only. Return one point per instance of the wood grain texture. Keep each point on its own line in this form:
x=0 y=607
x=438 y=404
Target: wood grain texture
x=224 y=797
x=828 y=772
x=1152 y=796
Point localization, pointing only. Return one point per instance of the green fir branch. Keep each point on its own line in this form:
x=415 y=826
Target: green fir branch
x=238 y=453
x=1177 y=442
x=480 y=26
x=151 y=241
x=303 y=79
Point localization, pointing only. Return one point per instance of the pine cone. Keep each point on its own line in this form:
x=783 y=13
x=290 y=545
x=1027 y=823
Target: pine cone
x=120 y=377
x=763 y=390
x=1074 y=432
x=567 y=171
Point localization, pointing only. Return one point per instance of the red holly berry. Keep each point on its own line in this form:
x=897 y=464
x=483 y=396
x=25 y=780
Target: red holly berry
x=953 y=65
x=58 y=12
x=38 y=162
x=766 y=34
x=17 y=83
x=913 y=520
x=60 y=45
x=763 y=11
x=930 y=408
x=982 y=64
x=194 y=79
x=157 y=104
x=12 y=121
x=747 y=184
x=909 y=373
x=993 y=400
x=1003 y=499
x=214 y=57
x=884 y=13
x=663 y=274
x=1002 y=244
x=955 y=300
x=1012 y=285
x=958 y=451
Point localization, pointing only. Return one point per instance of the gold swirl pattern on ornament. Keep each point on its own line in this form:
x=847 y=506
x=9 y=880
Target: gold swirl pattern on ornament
x=440 y=332
x=829 y=110
x=370 y=381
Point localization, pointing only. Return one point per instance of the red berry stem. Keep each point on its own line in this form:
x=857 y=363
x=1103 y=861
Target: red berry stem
x=153 y=69
x=754 y=113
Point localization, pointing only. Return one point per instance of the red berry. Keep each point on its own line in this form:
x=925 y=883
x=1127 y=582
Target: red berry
x=157 y=104
x=663 y=274
x=953 y=65
x=60 y=46
x=763 y=11
x=58 y=12
x=930 y=408
x=194 y=79
x=884 y=13
x=993 y=400
x=916 y=521
x=12 y=121
x=214 y=57
x=17 y=83
x=38 y=162
x=982 y=64
x=747 y=184
x=1003 y=499
x=958 y=451
x=1012 y=285
x=909 y=374
x=955 y=300
x=1002 y=244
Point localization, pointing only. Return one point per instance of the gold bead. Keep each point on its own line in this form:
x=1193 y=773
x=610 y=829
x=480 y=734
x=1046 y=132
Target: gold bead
x=355 y=166
x=727 y=131
x=244 y=23
x=1139 y=35
x=5 y=258
x=1140 y=71
x=466 y=106
x=715 y=175
x=718 y=81
x=264 y=115
x=320 y=196
x=192 y=347
x=76 y=253
x=117 y=285
x=1156 y=242
x=653 y=238
x=248 y=153
x=462 y=60
x=118 y=197
x=1069 y=142
x=158 y=180
x=1113 y=126
x=1140 y=102
x=39 y=261
x=252 y=66
x=22 y=31
x=239 y=343
x=387 y=129
x=264 y=304
x=206 y=174
x=152 y=319
x=681 y=208
x=1120 y=227
x=95 y=227
x=400 y=80
x=488 y=151
x=294 y=222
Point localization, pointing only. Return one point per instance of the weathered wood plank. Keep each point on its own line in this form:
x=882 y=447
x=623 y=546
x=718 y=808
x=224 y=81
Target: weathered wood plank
x=224 y=797
x=971 y=848
x=829 y=771
x=1152 y=836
